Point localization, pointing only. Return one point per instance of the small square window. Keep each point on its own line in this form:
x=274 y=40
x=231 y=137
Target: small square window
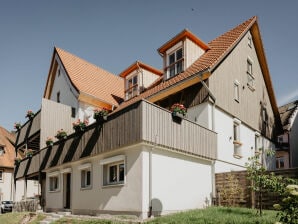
x=54 y=183
x=114 y=173
x=85 y=178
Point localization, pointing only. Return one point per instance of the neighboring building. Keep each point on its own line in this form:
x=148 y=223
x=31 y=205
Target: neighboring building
x=7 y=158
x=141 y=153
x=287 y=143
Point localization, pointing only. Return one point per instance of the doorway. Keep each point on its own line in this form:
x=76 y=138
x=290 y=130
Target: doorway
x=66 y=190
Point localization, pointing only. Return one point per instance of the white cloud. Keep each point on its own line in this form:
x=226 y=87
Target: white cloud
x=288 y=97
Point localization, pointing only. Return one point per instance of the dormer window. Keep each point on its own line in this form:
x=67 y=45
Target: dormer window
x=132 y=88
x=175 y=63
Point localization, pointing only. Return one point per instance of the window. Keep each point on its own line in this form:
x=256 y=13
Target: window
x=280 y=139
x=59 y=72
x=250 y=77
x=54 y=183
x=1 y=175
x=280 y=162
x=249 y=41
x=175 y=65
x=236 y=139
x=132 y=87
x=2 y=151
x=73 y=112
x=113 y=170
x=85 y=175
x=236 y=91
x=58 y=97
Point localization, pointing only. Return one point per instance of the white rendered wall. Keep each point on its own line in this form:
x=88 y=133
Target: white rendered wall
x=68 y=95
x=179 y=182
x=33 y=189
x=6 y=185
x=226 y=161
x=201 y=114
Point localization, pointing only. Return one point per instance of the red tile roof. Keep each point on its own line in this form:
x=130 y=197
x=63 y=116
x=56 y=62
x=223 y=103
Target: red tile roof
x=92 y=80
x=219 y=48
x=6 y=139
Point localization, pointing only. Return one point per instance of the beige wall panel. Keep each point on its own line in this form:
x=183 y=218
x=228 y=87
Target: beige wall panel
x=233 y=68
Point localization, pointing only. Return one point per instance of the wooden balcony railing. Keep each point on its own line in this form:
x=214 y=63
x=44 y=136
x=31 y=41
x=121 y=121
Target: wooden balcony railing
x=140 y=122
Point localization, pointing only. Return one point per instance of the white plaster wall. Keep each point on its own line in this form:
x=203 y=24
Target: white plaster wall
x=54 y=199
x=6 y=185
x=33 y=189
x=294 y=142
x=201 y=114
x=127 y=197
x=179 y=182
x=86 y=111
x=226 y=161
x=68 y=95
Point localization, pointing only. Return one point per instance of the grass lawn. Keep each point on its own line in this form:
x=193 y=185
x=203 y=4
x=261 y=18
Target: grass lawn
x=212 y=215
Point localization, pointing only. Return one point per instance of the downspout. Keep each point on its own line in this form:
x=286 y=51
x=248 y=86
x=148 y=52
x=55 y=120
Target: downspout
x=150 y=177
x=141 y=70
x=213 y=129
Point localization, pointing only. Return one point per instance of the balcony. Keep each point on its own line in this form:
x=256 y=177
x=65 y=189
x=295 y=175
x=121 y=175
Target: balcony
x=140 y=122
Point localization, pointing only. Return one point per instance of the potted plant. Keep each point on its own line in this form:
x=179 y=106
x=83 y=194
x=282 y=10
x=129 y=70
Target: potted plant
x=61 y=134
x=29 y=153
x=80 y=125
x=178 y=110
x=17 y=126
x=29 y=114
x=100 y=114
x=17 y=161
x=49 y=141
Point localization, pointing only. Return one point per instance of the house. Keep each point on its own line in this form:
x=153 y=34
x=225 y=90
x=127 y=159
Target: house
x=143 y=153
x=286 y=152
x=7 y=160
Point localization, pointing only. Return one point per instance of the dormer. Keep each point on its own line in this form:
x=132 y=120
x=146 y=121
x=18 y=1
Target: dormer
x=138 y=77
x=180 y=52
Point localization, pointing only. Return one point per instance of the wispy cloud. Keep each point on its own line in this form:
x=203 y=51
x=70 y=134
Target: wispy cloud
x=288 y=97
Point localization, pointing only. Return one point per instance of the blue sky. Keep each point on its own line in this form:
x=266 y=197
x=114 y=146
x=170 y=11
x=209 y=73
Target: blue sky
x=114 y=34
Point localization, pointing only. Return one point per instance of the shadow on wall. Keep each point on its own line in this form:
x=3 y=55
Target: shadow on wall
x=156 y=207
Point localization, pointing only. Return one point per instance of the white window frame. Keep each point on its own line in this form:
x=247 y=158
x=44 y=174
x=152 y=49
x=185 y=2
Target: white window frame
x=111 y=162
x=51 y=177
x=84 y=169
x=175 y=65
x=250 y=75
x=236 y=91
x=133 y=88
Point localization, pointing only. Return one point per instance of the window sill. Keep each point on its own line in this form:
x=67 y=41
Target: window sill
x=113 y=185
x=86 y=188
x=236 y=156
x=54 y=191
x=251 y=87
x=235 y=142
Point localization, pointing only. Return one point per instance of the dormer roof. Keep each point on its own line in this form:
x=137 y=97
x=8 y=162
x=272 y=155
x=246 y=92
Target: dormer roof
x=88 y=79
x=182 y=36
x=137 y=65
x=218 y=49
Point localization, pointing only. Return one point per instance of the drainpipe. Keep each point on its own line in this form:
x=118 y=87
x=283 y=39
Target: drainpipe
x=213 y=129
x=141 y=70
x=150 y=177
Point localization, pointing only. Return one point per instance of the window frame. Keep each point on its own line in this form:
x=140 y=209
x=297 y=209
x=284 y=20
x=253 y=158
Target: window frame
x=132 y=85
x=177 y=66
x=120 y=163
x=236 y=91
x=278 y=161
x=84 y=178
x=56 y=186
x=249 y=41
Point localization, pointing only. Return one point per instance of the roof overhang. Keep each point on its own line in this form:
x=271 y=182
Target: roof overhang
x=91 y=100
x=138 y=65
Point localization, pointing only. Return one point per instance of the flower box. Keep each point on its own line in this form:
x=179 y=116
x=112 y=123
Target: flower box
x=101 y=115
x=17 y=161
x=80 y=125
x=49 y=141
x=177 y=114
x=29 y=153
x=17 y=126
x=178 y=110
x=29 y=114
x=61 y=134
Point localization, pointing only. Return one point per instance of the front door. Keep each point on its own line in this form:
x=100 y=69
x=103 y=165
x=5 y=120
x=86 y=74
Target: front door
x=66 y=190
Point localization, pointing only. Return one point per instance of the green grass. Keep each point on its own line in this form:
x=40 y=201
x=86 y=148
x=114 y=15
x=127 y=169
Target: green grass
x=212 y=215
x=221 y=215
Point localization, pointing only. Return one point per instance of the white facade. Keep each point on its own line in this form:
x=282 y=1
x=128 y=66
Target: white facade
x=179 y=182
x=6 y=187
